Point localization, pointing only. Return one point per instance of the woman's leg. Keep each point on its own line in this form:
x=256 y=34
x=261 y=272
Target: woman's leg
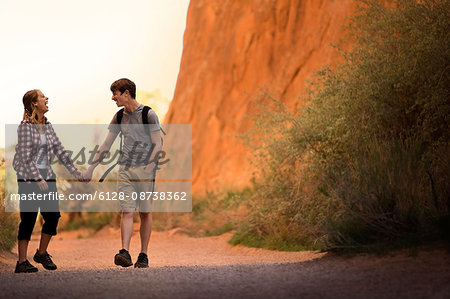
x=48 y=230
x=26 y=226
x=51 y=220
x=22 y=246
x=43 y=244
x=50 y=213
x=28 y=214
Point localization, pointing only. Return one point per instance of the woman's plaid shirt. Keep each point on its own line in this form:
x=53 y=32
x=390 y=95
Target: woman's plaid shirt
x=28 y=147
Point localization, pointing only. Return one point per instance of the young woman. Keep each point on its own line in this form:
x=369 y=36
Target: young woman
x=37 y=141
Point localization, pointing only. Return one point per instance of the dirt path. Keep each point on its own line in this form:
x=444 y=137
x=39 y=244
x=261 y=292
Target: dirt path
x=184 y=267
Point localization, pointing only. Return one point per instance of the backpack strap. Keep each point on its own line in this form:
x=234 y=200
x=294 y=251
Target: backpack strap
x=120 y=116
x=147 y=128
x=145 y=119
x=145 y=111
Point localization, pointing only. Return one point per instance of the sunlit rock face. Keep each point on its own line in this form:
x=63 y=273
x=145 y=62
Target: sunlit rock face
x=232 y=50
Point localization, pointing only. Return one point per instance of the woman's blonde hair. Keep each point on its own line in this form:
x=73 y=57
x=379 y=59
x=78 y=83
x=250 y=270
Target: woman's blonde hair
x=29 y=99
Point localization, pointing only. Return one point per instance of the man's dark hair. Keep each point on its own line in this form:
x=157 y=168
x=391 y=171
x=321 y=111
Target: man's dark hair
x=124 y=84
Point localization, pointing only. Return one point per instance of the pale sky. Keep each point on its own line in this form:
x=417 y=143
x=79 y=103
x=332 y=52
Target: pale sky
x=74 y=50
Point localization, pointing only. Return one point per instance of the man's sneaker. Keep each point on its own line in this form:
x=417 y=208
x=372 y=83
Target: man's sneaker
x=44 y=259
x=25 y=267
x=142 y=261
x=123 y=258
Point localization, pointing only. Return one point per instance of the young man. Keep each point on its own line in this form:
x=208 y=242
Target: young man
x=136 y=171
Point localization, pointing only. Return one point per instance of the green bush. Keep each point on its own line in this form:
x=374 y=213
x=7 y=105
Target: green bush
x=366 y=160
x=8 y=221
x=8 y=230
x=212 y=214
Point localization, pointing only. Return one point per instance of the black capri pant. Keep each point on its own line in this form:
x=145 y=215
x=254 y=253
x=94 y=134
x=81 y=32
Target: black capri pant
x=49 y=209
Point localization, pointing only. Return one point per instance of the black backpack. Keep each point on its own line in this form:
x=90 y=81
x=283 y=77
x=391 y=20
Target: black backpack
x=145 y=111
x=119 y=117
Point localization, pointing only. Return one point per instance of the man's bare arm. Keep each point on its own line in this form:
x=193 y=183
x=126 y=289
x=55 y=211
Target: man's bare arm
x=100 y=155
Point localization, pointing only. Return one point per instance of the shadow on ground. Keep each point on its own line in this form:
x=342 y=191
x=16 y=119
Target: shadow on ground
x=426 y=275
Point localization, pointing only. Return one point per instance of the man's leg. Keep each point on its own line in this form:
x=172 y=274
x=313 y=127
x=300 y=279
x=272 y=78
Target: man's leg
x=123 y=258
x=126 y=228
x=127 y=206
x=145 y=207
x=145 y=230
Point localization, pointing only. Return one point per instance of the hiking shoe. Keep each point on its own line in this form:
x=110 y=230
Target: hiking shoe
x=25 y=267
x=142 y=261
x=45 y=260
x=123 y=258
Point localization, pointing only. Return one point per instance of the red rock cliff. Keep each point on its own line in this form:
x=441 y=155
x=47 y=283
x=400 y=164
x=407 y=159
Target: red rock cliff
x=232 y=48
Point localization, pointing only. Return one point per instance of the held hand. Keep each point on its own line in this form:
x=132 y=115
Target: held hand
x=87 y=175
x=42 y=184
x=78 y=176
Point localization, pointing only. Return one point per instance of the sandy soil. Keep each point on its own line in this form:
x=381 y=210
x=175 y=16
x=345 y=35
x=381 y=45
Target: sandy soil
x=185 y=267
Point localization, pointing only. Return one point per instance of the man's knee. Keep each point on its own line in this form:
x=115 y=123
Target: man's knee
x=127 y=214
x=145 y=215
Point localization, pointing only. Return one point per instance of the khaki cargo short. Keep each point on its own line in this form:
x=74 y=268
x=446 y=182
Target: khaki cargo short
x=132 y=181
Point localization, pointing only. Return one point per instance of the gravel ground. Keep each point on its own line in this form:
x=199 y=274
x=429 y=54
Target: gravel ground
x=183 y=267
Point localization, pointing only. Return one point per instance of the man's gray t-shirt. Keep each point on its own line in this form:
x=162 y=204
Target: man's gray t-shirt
x=136 y=140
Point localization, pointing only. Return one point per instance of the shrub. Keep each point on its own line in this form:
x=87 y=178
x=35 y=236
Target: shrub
x=8 y=221
x=366 y=160
x=8 y=230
